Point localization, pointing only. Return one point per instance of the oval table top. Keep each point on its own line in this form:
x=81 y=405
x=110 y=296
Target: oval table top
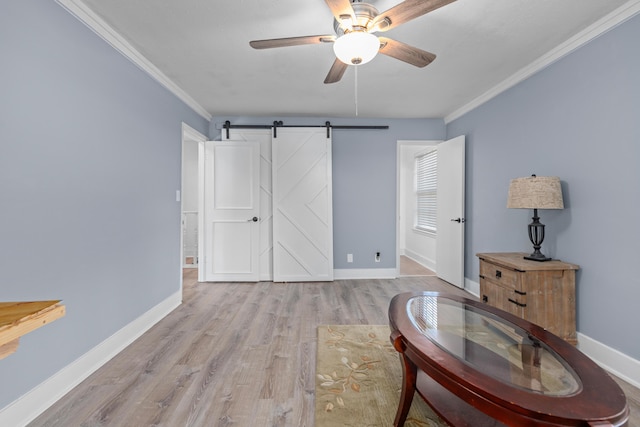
x=505 y=366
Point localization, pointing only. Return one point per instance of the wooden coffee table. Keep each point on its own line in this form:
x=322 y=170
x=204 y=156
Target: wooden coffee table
x=478 y=366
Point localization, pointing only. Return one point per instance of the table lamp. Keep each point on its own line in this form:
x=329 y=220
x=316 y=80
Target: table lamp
x=535 y=192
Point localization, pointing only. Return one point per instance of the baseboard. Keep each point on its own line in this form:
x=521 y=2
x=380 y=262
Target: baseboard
x=610 y=359
x=29 y=406
x=472 y=287
x=364 y=273
x=425 y=262
x=26 y=408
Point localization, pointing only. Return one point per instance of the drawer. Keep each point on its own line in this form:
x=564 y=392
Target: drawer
x=500 y=275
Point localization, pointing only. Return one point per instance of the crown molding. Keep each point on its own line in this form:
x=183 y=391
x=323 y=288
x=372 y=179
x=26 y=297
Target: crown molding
x=85 y=15
x=613 y=19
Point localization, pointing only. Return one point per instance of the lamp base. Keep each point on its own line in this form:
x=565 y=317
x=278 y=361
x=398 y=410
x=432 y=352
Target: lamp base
x=536 y=235
x=537 y=257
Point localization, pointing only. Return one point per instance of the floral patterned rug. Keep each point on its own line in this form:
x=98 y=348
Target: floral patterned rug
x=359 y=378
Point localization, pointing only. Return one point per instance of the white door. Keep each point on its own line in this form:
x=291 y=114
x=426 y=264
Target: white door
x=450 y=217
x=302 y=205
x=231 y=210
x=265 y=251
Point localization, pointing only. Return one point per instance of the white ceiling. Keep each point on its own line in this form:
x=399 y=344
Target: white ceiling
x=203 y=47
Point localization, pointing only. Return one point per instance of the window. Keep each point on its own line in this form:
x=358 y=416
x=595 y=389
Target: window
x=426 y=190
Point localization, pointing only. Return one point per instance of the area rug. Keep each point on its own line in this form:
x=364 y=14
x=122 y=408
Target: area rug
x=359 y=378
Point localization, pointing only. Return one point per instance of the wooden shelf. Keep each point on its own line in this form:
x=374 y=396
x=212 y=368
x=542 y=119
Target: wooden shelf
x=20 y=318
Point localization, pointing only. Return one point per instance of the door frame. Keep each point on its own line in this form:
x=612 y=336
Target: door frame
x=190 y=135
x=399 y=145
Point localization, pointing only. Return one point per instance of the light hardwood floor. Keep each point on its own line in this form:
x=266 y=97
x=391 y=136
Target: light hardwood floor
x=409 y=267
x=233 y=355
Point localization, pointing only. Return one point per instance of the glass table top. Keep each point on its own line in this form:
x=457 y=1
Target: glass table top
x=492 y=345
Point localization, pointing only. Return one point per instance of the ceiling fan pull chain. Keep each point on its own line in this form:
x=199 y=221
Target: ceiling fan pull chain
x=356 y=90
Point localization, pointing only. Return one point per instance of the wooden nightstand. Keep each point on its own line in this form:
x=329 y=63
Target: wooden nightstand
x=543 y=293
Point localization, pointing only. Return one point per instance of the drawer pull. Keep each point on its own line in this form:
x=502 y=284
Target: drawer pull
x=498 y=274
x=481 y=276
x=519 y=304
x=519 y=292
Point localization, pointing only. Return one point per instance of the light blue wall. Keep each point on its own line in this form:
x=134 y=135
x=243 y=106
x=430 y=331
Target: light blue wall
x=89 y=167
x=90 y=162
x=578 y=119
x=364 y=182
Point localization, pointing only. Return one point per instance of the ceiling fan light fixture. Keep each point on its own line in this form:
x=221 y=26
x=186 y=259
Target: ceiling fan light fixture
x=356 y=48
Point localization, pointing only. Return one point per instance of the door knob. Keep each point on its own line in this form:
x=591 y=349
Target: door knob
x=458 y=220
x=254 y=219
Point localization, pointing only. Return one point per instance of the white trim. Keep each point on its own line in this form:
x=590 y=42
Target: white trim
x=190 y=134
x=600 y=27
x=610 y=359
x=472 y=287
x=202 y=253
x=423 y=261
x=399 y=144
x=29 y=406
x=363 y=273
x=429 y=142
x=83 y=13
x=424 y=232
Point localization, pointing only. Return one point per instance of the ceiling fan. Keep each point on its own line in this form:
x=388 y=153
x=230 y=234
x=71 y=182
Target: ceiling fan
x=355 y=43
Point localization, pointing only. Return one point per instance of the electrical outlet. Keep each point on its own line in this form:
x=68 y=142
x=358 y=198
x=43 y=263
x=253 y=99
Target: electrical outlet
x=377 y=258
x=349 y=257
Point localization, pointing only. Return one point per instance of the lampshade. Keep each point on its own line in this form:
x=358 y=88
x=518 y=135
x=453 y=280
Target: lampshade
x=535 y=192
x=356 y=48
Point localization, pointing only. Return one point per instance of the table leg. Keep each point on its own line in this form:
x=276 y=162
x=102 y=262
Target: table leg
x=409 y=373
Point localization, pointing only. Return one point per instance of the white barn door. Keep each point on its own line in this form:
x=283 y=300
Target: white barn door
x=450 y=216
x=231 y=210
x=302 y=205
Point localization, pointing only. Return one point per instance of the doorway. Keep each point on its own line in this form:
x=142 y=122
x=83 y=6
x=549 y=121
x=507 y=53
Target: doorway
x=190 y=221
x=439 y=246
x=416 y=249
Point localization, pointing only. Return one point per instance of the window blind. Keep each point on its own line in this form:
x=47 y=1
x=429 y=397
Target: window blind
x=426 y=190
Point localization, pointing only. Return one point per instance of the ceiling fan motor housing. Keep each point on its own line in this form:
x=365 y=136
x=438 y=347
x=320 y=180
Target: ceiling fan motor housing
x=365 y=13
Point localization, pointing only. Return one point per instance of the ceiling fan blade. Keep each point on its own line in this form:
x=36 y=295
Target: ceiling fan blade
x=291 y=41
x=404 y=52
x=341 y=9
x=404 y=12
x=336 y=72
